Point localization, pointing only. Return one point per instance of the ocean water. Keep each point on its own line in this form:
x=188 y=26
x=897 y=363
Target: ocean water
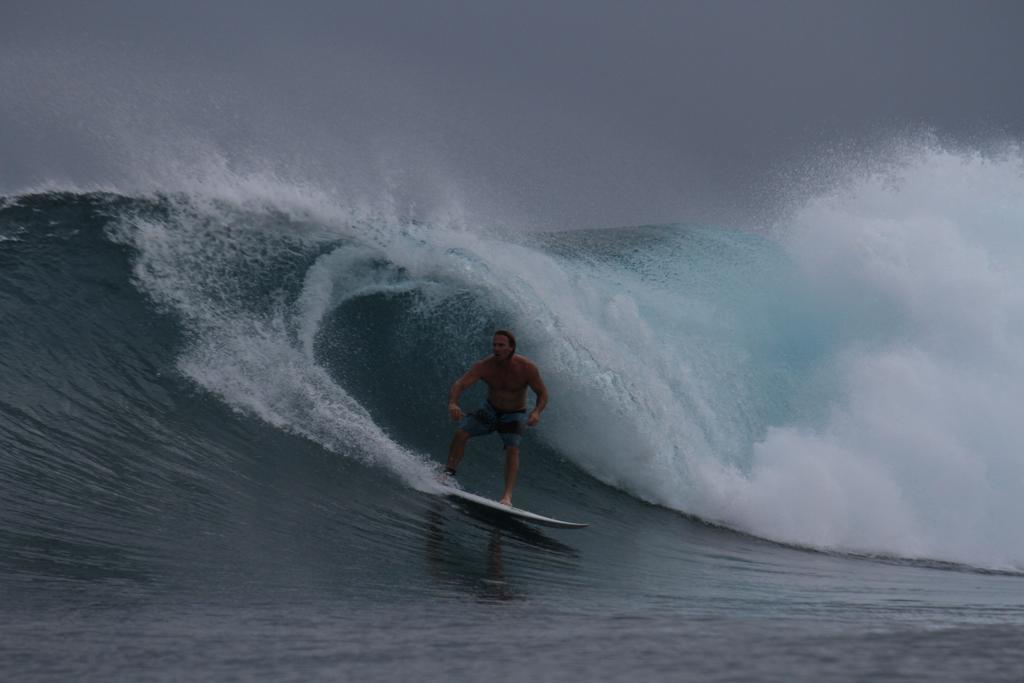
x=223 y=408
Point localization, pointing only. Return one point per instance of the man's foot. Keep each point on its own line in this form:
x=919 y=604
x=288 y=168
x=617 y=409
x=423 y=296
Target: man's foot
x=447 y=477
x=506 y=500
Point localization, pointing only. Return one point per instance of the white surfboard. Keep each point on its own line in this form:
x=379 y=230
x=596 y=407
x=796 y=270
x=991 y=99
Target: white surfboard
x=514 y=512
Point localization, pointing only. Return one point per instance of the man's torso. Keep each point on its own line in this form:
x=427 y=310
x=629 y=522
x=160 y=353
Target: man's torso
x=507 y=383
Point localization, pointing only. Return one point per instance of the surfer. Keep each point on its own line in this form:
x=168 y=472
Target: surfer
x=507 y=376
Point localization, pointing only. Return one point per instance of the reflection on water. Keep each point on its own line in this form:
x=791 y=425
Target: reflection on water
x=459 y=555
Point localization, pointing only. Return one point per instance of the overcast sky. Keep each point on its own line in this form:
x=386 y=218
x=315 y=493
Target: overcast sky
x=558 y=114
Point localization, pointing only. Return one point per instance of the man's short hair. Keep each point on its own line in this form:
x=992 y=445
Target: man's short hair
x=508 y=335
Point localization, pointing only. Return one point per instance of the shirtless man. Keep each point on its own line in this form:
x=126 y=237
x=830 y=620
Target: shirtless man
x=507 y=376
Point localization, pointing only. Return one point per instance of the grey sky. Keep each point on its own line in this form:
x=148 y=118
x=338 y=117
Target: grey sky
x=546 y=114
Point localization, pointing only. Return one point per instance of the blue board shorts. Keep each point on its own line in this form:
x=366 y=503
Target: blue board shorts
x=509 y=425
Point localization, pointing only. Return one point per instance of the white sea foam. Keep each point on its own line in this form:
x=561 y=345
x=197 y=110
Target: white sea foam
x=920 y=453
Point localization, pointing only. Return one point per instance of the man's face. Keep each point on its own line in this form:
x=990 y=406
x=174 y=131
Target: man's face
x=502 y=349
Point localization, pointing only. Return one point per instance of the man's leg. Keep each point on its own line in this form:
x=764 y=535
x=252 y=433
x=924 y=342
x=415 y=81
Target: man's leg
x=457 y=448
x=511 y=468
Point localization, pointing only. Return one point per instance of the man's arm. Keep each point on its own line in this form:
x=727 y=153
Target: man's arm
x=461 y=384
x=537 y=384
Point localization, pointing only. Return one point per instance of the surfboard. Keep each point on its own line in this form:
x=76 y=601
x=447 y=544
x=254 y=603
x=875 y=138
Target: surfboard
x=517 y=513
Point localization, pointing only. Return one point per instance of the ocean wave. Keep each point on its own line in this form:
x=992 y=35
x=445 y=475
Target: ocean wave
x=846 y=381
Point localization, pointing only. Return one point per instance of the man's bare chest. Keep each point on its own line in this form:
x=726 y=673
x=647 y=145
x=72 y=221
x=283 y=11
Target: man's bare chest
x=508 y=380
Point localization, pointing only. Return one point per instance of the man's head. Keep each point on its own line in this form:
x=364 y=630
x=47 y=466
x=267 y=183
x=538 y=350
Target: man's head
x=504 y=344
